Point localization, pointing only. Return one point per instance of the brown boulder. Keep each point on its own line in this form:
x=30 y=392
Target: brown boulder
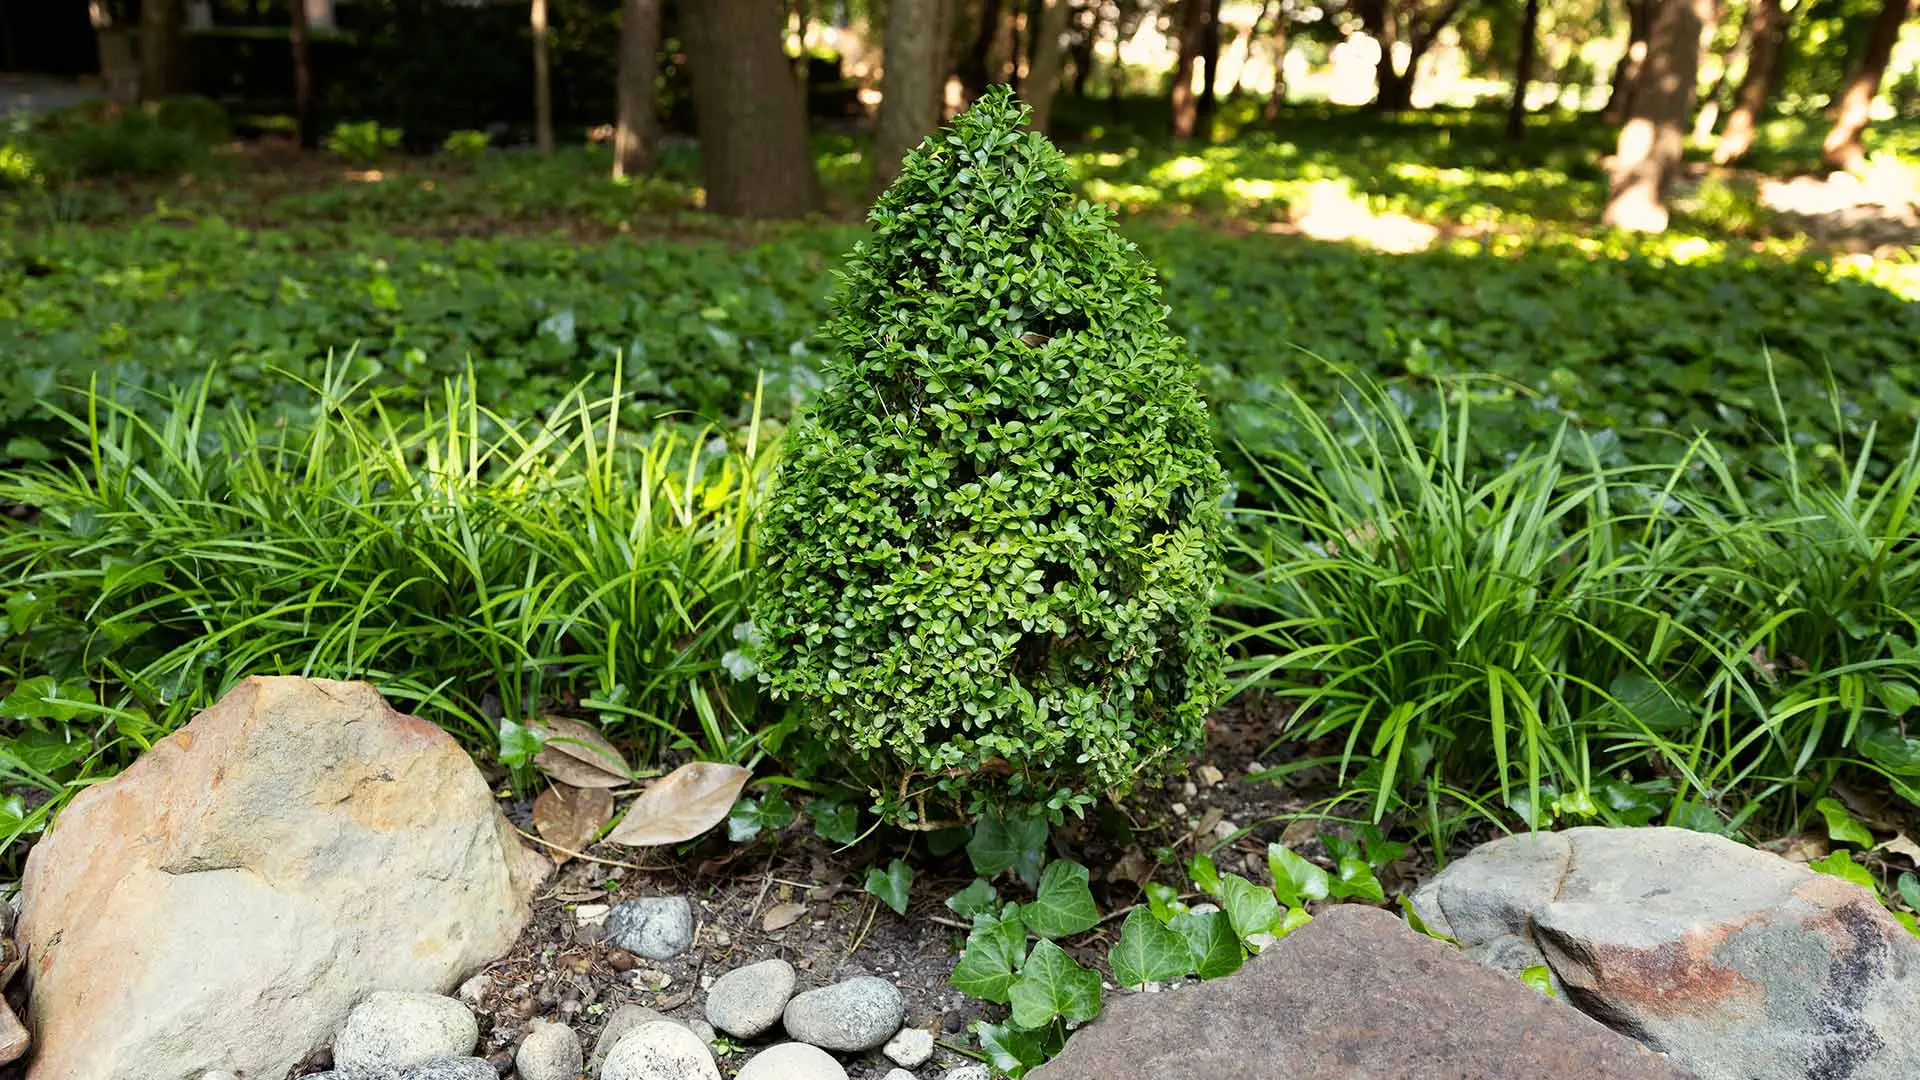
x=223 y=903
x=1353 y=995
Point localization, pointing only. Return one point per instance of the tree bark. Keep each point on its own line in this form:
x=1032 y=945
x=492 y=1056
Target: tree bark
x=1382 y=21
x=910 y=84
x=1626 y=73
x=1049 y=55
x=1766 y=34
x=752 y=127
x=303 y=122
x=1523 y=72
x=1651 y=139
x=1083 y=50
x=1193 y=32
x=542 y=80
x=634 y=130
x=162 y=72
x=1209 y=74
x=1844 y=148
x=974 y=77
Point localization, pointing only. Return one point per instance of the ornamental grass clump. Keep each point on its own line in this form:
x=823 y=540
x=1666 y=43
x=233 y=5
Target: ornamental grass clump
x=994 y=540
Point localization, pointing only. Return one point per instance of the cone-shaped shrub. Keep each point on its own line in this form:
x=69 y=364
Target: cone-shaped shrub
x=993 y=540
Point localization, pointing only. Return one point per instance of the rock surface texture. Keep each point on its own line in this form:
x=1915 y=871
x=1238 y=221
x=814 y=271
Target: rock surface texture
x=404 y=1030
x=223 y=903
x=849 y=1017
x=792 y=1061
x=1737 y=963
x=747 y=1002
x=1353 y=995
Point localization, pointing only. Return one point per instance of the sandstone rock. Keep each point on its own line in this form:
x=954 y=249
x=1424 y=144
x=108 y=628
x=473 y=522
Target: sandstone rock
x=225 y=901
x=656 y=927
x=747 y=1002
x=850 y=1016
x=792 y=1061
x=912 y=1047
x=662 y=1050
x=1353 y=995
x=549 y=1052
x=1737 y=963
x=404 y=1030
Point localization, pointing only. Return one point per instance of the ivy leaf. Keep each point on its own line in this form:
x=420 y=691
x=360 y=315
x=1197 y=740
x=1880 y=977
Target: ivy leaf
x=834 y=820
x=1842 y=826
x=1013 y=1051
x=751 y=816
x=1000 y=844
x=1205 y=874
x=1148 y=952
x=1909 y=887
x=1294 y=919
x=1211 y=943
x=45 y=698
x=1841 y=865
x=1251 y=908
x=1063 y=904
x=993 y=952
x=1052 y=985
x=1295 y=880
x=1164 y=901
x=1354 y=880
x=891 y=885
x=976 y=899
x=518 y=744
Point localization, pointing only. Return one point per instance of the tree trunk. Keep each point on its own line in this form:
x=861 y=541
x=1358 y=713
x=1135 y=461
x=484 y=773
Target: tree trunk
x=634 y=129
x=910 y=84
x=1193 y=33
x=1767 y=32
x=1083 y=51
x=1651 y=139
x=542 y=80
x=752 y=127
x=1209 y=74
x=1523 y=72
x=1626 y=73
x=1843 y=148
x=303 y=122
x=1043 y=76
x=1278 y=98
x=973 y=73
x=161 y=70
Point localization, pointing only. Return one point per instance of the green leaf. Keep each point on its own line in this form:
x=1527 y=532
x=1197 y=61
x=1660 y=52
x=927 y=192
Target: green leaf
x=26 y=448
x=1205 y=874
x=45 y=698
x=1841 y=865
x=1013 y=1051
x=1251 y=908
x=1419 y=924
x=978 y=898
x=834 y=820
x=1354 y=880
x=1063 y=905
x=892 y=885
x=1164 y=901
x=44 y=752
x=944 y=842
x=992 y=954
x=519 y=744
x=1842 y=826
x=1643 y=699
x=1899 y=697
x=1017 y=844
x=751 y=816
x=1051 y=985
x=1295 y=880
x=1211 y=943
x=1909 y=888
x=1292 y=920
x=1889 y=747
x=1540 y=977
x=1148 y=952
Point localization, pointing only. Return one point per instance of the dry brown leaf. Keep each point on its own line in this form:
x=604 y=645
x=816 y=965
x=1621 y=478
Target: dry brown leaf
x=781 y=916
x=1799 y=848
x=577 y=755
x=1901 y=844
x=570 y=817
x=1134 y=866
x=682 y=804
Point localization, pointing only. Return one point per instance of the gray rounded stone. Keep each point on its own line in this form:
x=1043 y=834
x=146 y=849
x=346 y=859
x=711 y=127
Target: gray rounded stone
x=913 y=1046
x=662 y=1050
x=624 y=1019
x=968 y=1072
x=656 y=927
x=402 y=1030
x=462 y=1068
x=899 y=1074
x=792 y=1061
x=852 y=1016
x=549 y=1052
x=746 y=1002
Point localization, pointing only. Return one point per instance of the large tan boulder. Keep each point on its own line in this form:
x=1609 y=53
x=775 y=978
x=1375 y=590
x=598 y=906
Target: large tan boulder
x=223 y=903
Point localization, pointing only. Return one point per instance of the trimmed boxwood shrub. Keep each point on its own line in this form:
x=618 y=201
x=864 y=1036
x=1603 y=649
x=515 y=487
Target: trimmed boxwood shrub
x=994 y=539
